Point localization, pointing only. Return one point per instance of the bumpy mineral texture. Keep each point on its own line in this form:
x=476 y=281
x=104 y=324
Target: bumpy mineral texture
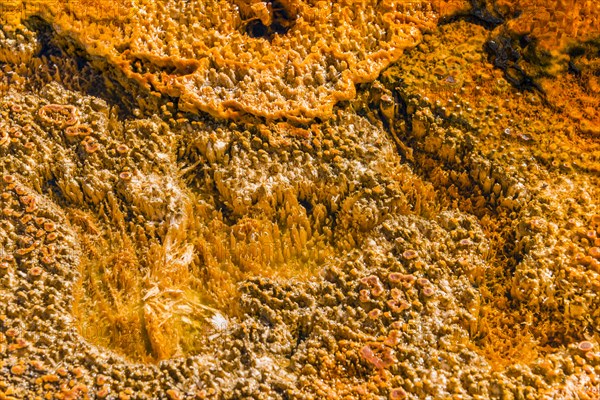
x=433 y=233
x=280 y=59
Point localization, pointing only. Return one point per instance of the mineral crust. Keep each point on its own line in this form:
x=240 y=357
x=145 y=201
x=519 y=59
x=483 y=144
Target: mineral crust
x=290 y=59
x=425 y=225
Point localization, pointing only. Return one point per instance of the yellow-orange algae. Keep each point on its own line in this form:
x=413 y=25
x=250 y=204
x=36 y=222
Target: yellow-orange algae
x=201 y=52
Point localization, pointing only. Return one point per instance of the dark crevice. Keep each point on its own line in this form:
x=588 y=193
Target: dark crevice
x=142 y=66
x=282 y=20
x=574 y=69
x=307 y=206
x=257 y=29
x=506 y=54
x=478 y=15
x=489 y=23
x=45 y=37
